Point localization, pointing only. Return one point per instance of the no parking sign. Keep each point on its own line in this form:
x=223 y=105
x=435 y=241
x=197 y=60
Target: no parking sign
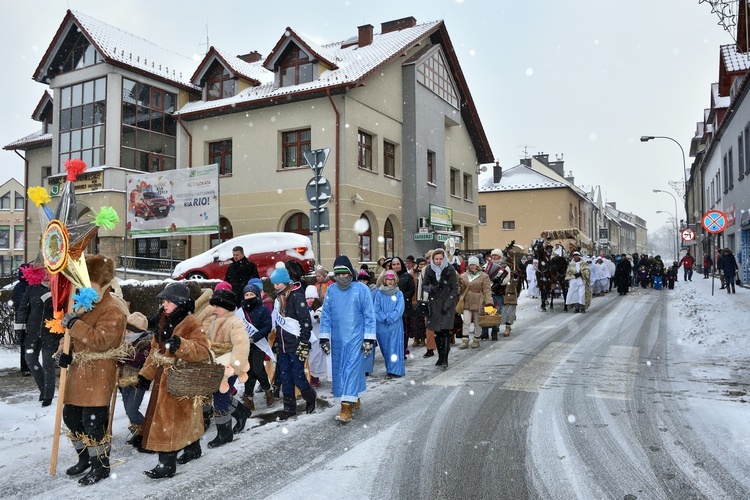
x=714 y=221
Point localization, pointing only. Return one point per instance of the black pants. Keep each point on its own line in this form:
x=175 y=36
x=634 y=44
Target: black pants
x=44 y=373
x=442 y=339
x=257 y=371
x=91 y=421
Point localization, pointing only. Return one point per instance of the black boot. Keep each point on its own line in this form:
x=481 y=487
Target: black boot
x=166 y=467
x=99 y=470
x=190 y=452
x=309 y=397
x=83 y=462
x=446 y=350
x=241 y=414
x=223 y=434
x=290 y=408
x=207 y=418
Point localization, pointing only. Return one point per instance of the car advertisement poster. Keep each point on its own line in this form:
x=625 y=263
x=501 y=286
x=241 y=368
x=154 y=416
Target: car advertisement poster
x=182 y=201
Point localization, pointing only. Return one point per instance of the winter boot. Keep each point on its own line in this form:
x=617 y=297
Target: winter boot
x=429 y=353
x=494 y=334
x=507 y=331
x=248 y=402
x=241 y=414
x=484 y=335
x=290 y=408
x=345 y=415
x=190 y=452
x=207 y=413
x=135 y=431
x=166 y=468
x=464 y=343
x=475 y=343
x=83 y=460
x=99 y=470
x=270 y=399
x=309 y=396
x=223 y=432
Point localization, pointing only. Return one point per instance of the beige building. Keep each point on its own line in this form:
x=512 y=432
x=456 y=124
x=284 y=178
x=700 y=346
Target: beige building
x=12 y=228
x=124 y=105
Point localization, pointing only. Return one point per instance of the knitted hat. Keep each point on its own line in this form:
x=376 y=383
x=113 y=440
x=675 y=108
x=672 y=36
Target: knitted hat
x=224 y=298
x=420 y=260
x=311 y=292
x=473 y=260
x=252 y=287
x=280 y=275
x=101 y=269
x=363 y=275
x=342 y=265
x=177 y=293
x=137 y=321
x=389 y=275
x=497 y=251
x=222 y=285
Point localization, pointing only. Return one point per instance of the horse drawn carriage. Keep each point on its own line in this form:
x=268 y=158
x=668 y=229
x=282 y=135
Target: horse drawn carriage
x=553 y=264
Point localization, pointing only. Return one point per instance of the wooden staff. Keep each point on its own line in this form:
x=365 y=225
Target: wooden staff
x=60 y=397
x=112 y=407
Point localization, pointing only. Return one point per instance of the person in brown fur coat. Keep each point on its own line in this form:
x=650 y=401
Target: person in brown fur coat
x=91 y=381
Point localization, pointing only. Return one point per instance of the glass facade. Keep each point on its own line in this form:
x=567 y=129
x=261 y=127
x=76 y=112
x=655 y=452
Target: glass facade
x=83 y=109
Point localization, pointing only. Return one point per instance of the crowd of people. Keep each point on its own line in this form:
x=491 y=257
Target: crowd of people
x=286 y=341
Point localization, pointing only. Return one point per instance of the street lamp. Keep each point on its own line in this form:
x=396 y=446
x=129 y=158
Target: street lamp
x=646 y=138
x=675 y=219
x=674 y=242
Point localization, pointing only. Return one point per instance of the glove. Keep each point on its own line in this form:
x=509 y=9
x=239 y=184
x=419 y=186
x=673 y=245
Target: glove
x=143 y=383
x=303 y=349
x=577 y=275
x=69 y=319
x=65 y=360
x=325 y=345
x=367 y=346
x=174 y=344
x=430 y=289
x=444 y=309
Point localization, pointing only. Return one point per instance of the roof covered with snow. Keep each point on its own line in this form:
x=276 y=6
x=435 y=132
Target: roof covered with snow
x=733 y=60
x=519 y=178
x=36 y=139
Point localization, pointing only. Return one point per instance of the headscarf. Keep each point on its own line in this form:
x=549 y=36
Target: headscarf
x=439 y=270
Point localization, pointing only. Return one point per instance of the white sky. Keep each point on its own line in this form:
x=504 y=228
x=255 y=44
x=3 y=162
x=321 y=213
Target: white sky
x=583 y=78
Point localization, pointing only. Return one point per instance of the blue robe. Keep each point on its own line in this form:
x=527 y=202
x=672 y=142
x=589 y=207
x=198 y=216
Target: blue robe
x=390 y=330
x=347 y=319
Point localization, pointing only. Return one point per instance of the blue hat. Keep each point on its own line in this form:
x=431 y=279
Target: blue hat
x=280 y=275
x=252 y=287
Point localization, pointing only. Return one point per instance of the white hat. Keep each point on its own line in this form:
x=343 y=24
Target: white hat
x=497 y=251
x=576 y=253
x=473 y=260
x=311 y=292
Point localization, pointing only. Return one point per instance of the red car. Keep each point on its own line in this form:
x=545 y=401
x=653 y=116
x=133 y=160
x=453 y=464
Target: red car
x=149 y=204
x=263 y=249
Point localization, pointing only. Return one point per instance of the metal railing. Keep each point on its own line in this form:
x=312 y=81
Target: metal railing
x=148 y=264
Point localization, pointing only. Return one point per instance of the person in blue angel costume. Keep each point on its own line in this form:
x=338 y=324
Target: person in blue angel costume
x=388 y=302
x=347 y=331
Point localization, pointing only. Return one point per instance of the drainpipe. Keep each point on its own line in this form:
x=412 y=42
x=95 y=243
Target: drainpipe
x=190 y=165
x=26 y=206
x=336 y=178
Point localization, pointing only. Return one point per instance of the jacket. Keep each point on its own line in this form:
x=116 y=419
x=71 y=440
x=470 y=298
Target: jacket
x=228 y=329
x=238 y=274
x=443 y=296
x=260 y=317
x=292 y=319
x=91 y=383
x=478 y=292
x=33 y=308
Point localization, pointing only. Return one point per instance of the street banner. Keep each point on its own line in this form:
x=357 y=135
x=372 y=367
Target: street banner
x=182 y=201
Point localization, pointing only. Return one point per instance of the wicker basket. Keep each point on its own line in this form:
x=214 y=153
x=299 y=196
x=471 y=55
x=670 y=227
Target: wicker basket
x=489 y=320
x=194 y=379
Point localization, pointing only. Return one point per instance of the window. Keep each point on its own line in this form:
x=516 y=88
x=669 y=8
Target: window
x=149 y=131
x=221 y=153
x=81 y=52
x=455 y=182
x=219 y=83
x=18 y=237
x=430 y=167
x=295 y=67
x=5 y=202
x=19 y=201
x=364 y=141
x=82 y=121
x=5 y=237
x=226 y=232
x=434 y=74
x=740 y=158
x=298 y=223
x=726 y=172
x=483 y=214
x=468 y=188
x=46 y=171
x=389 y=159
x=365 y=237
x=388 y=239
x=293 y=145
x=718 y=186
x=509 y=225
x=747 y=149
x=730 y=164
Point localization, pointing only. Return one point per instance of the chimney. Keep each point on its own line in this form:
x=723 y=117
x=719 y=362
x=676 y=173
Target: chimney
x=365 y=35
x=251 y=57
x=397 y=24
x=558 y=166
x=497 y=173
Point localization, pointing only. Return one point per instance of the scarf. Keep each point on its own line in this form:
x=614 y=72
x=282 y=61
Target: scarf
x=343 y=282
x=168 y=322
x=388 y=290
x=439 y=270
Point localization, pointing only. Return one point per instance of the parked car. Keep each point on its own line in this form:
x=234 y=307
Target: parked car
x=263 y=249
x=149 y=204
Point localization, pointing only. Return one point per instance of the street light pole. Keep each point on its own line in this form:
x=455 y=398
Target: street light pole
x=677 y=235
x=646 y=138
x=674 y=242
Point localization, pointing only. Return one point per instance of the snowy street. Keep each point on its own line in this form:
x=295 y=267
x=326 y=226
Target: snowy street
x=643 y=396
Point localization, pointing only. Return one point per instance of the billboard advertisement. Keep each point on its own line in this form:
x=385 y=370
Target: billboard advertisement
x=183 y=201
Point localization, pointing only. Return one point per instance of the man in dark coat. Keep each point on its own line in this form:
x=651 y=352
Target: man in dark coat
x=728 y=264
x=240 y=272
x=18 y=291
x=623 y=273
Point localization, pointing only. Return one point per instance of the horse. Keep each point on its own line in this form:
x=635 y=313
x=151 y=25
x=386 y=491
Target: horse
x=549 y=274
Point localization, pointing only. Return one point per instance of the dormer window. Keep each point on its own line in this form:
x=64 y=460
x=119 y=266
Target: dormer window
x=219 y=84
x=80 y=53
x=296 y=67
